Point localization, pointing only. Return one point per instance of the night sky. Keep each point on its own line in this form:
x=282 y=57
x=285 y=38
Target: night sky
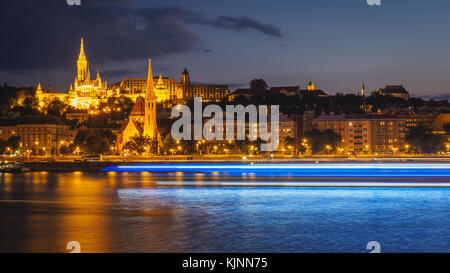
x=338 y=44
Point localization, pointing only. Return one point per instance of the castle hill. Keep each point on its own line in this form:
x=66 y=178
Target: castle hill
x=134 y=119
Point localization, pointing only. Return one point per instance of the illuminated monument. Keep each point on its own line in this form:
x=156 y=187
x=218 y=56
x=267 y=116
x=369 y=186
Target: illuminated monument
x=86 y=92
x=142 y=119
x=311 y=86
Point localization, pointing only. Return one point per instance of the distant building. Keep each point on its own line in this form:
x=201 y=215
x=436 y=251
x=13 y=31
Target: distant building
x=44 y=97
x=286 y=90
x=396 y=91
x=311 y=86
x=78 y=115
x=166 y=89
x=169 y=90
x=414 y=120
x=245 y=92
x=208 y=92
x=248 y=93
x=38 y=134
x=366 y=134
x=312 y=90
x=438 y=124
x=8 y=128
x=307 y=121
x=287 y=128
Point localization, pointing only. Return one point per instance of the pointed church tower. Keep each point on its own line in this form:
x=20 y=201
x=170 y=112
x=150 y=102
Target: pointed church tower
x=39 y=95
x=363 y=91
x=98 y=79
x=71 y=92
x=39 y=89
x=150 y=126
x=82 y=64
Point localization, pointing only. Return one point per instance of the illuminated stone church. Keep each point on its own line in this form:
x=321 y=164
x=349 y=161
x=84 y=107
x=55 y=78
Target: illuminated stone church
x=86 y=92
x=142 y=119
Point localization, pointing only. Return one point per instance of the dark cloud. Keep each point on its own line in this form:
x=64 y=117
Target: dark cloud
x=40 y=34
x=44 y=34
x=244 y=23
x=221 y=22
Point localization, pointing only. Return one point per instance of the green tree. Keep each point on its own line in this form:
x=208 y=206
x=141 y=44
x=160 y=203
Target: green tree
x=95 y=140
x=56 y=108
x=423 y=141
x=319 y=140
x=67 y=149
x=446 y=127
x=258 y=85
x=14 y=142
x=168 y=143
x=140 y=144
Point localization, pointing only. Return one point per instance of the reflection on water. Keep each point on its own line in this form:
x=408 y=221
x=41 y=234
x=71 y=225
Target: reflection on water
x=125 y=212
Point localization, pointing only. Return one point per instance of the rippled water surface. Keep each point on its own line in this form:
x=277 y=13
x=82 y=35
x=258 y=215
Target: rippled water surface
x=125 y=212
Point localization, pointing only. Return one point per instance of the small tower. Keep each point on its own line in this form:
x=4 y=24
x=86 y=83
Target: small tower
x=98 y=79
x=363 y=91
x=150 y=126
x=185 y=77
x=71 y=92
x=185 y=82
x=39 y=90
x=161 y=92
x=39 y=95
x=311 y=86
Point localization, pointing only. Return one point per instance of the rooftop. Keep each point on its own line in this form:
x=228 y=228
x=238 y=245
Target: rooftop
x=390 y=89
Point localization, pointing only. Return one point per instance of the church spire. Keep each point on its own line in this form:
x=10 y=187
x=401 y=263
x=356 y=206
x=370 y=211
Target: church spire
x=82 y=64
x=82 y=48
x=363 y=90
x=39 y=88
x=150 y=90
x=150 y=126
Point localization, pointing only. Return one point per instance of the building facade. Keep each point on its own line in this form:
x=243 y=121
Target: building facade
x=38 y=135
x=396 y=91
x=366 y=134
x=166 y=89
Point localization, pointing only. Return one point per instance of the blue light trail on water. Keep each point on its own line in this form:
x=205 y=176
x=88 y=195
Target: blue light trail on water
x=296 y=170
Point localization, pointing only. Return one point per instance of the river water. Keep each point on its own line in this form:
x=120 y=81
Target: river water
x=141 y=212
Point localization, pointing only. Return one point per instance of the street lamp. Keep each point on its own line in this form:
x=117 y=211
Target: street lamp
x=329 y=148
